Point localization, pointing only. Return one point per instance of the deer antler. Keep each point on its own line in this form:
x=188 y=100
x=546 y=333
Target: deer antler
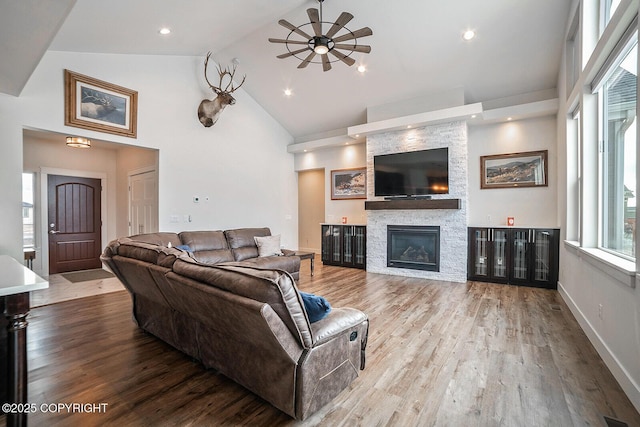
x=222 y=73
x=206 y=63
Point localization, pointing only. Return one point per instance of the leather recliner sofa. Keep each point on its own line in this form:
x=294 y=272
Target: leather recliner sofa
x=245 y=320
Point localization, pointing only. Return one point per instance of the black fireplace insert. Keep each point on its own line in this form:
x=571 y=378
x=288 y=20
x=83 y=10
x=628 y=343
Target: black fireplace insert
x=413 y=246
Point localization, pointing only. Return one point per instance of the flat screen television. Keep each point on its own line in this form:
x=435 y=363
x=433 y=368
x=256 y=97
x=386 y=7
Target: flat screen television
x=416 y=173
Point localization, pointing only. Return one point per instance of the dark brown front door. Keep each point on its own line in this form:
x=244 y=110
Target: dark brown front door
x=74 y=223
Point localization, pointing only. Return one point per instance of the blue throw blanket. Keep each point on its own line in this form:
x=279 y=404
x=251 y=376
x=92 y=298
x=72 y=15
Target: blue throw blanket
x=317 y=307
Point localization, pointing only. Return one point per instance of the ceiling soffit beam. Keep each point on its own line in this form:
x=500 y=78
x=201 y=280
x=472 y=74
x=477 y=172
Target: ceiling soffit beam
x=357 y=134
x=444 y=115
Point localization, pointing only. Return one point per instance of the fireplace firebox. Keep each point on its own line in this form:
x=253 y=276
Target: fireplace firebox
x=415 y=247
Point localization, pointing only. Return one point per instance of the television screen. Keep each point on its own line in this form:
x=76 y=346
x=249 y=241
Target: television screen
x=415 y=173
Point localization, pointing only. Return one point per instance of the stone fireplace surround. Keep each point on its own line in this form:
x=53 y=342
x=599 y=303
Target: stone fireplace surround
x=452 y=222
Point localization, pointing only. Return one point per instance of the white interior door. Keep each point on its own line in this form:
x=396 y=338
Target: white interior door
x=143 y=203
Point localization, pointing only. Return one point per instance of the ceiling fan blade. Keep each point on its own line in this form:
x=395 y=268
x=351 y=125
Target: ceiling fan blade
x=293 y=28
x=354 y=47
x=295 y=52
x=326 y=65
x=342 y=57
x=287 y=41
x=307 y=60
x=342 y=20
x=362 y=32
x=314 y=18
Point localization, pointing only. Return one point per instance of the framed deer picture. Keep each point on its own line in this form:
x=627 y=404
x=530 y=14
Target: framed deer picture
x=97 y=105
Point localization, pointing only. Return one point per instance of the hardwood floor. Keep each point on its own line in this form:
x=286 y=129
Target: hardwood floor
x=60 y=289
x=439 y=353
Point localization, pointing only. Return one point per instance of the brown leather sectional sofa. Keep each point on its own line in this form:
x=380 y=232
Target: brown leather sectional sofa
x=243 y=316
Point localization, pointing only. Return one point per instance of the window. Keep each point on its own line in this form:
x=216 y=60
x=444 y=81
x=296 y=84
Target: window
x=28 y=240
x=618 y=153
x=608 y=9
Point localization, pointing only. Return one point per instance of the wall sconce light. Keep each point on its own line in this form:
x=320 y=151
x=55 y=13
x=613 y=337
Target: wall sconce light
x=78 y=142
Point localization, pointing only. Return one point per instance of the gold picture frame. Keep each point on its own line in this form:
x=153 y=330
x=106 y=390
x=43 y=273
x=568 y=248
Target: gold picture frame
x=349 y=184
x=98 y=105
x=527 y=169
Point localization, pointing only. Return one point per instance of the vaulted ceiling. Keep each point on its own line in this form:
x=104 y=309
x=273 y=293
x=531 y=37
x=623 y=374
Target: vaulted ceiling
x=417 y=48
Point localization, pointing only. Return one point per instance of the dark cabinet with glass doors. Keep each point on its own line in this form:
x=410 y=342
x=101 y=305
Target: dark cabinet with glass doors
x=519 y=256
x=344 y=245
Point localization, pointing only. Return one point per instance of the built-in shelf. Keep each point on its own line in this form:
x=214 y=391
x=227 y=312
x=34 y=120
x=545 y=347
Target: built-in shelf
x=413 y=204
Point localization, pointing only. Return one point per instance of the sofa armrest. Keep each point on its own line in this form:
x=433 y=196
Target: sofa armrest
x=288 y=252
x=338 y=321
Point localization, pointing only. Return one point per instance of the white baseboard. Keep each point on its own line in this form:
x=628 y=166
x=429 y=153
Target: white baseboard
x=629 y=386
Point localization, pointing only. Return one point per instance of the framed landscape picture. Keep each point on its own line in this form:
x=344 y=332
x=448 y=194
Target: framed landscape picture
x=349 y=184
x=527 y=169
x=97 y=105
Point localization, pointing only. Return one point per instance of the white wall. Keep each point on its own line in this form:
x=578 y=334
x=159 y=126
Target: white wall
x=531 y=207
x=587 y=282
x=348 y=157
x=241 y=163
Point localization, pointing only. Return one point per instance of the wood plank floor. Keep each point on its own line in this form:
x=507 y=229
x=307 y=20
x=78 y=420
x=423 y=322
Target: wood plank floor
x=439 y=354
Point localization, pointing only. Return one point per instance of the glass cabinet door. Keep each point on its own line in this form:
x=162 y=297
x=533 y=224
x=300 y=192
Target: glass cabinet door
x=326 y=243
x=336 y=246
x=347 y=239
x=519 y=261
x=499 y=246
x=360 y=248
x=542 y=240
x=480 y=241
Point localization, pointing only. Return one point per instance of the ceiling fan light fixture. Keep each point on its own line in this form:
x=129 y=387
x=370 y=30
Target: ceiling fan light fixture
x=321 y=49
x=78 y=142
x=321 y=45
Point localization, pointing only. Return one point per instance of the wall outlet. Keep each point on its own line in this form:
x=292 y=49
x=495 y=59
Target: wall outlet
x=600 y=311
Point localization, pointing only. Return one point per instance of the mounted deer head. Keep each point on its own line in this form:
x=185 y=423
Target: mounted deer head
x=209 y=110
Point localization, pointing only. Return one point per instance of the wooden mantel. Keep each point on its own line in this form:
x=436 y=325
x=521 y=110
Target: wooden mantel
x=413 y=204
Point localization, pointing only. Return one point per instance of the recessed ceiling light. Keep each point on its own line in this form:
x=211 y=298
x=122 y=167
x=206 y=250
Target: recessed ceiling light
x=362 y=68
x=468 y=35
x=509 y=118
x=473 y=116
x=408 y=126
x=165 y=31
x=287 y=92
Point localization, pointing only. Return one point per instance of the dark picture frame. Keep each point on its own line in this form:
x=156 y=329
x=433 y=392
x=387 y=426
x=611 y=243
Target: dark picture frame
x=526 y=169
x=349 y=184
x=98 y=105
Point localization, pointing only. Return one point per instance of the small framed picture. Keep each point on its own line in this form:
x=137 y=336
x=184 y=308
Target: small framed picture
x=527 y=169
x=97 y=105
x=349 y=184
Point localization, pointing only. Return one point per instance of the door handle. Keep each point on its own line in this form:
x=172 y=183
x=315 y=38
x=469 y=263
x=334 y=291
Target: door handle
x=53 y=231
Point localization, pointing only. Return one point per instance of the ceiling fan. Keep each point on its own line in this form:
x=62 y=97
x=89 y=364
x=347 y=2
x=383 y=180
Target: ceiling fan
x=337 y=38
